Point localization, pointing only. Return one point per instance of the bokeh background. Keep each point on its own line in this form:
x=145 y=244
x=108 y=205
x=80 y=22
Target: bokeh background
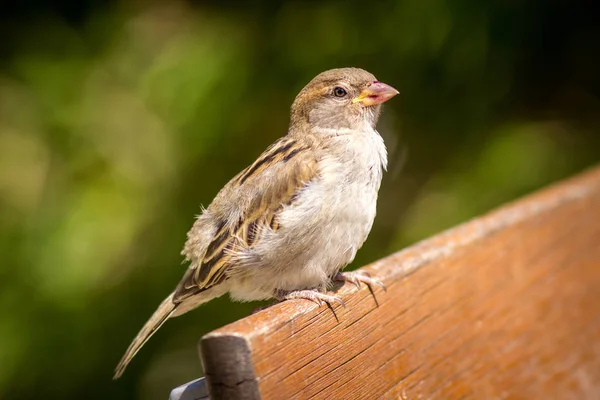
x=119 y=119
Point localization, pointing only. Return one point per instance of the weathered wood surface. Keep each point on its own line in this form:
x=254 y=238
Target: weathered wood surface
x=504 y=306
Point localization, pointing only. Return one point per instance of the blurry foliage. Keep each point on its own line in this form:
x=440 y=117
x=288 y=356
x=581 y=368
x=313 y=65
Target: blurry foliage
x=118 y=121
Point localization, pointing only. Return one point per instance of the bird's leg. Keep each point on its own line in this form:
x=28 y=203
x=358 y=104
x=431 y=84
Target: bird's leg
x=308 y=294
x=356 y=277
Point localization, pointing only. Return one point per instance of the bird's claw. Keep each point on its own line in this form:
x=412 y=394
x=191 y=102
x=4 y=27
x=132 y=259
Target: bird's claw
x=312 y=295
x=356 y=277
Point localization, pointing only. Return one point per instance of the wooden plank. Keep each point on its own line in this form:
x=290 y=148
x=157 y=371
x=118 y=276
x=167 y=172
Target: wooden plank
x=504 y=306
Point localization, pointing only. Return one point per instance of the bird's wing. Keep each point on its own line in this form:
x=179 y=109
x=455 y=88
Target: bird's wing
x=281 y=171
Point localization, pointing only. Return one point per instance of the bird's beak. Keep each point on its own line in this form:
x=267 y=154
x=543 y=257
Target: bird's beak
x=376 y=93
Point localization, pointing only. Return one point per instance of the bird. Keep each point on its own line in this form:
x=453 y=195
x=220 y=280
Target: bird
x=286 y=226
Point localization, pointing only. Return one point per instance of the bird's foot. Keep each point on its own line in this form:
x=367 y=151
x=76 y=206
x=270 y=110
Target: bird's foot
x=309 y=294
x=356 y=277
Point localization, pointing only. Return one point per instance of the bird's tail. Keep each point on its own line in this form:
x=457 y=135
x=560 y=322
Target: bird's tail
x=162 y=313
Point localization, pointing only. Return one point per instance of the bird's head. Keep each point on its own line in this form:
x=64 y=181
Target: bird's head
x=341 y=98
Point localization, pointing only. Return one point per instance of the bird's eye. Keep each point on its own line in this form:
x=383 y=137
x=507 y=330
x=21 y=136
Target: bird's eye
x=339 y=92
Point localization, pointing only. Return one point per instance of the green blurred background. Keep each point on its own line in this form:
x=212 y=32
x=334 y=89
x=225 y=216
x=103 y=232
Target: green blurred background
x=119 y=119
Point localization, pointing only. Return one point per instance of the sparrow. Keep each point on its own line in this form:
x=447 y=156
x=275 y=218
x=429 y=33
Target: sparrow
x=286 y=225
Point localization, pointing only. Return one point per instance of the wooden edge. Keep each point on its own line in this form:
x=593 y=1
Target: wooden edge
x=440 y=246
x=227 y=362
x=448 y=242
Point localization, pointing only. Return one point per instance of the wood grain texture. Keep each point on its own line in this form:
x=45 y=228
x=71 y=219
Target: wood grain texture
x=506 y=306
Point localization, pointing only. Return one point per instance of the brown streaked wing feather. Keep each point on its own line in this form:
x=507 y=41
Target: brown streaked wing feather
x=262 y=212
